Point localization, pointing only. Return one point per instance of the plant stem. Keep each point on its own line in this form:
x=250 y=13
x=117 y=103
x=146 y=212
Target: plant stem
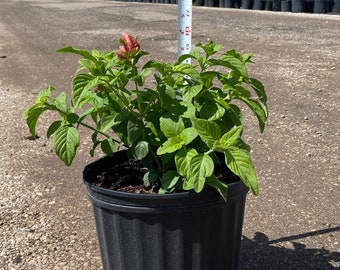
x=159 y=165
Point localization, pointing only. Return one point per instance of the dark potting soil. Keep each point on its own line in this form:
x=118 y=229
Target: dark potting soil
x=128 y=177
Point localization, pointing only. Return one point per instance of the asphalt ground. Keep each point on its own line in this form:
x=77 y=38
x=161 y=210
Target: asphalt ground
x=45 y=217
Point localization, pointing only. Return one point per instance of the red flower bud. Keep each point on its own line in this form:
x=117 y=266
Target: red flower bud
x=130 y=44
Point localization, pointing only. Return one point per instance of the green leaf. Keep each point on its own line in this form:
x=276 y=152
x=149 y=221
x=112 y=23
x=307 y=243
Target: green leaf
x=231 y=137
x=208 y=77
x=53 y=128
x=209 y=131
x=134 y=130
x=187 y=69
x=160 y=67
x=171 y=145
x=95 y=142
x=188 y=135
x=182 y=160
x=65 y=143
x=81 y=88
x=72 y=118
x=170 y=179
x=61 y=103
x=83 y=53
x=150 y=177
x=108 y=146
x=233 y=63
x=33 y=115
x=195 y=54
x=111 y=118
x=43 y=94
x=247 y=57
x=212 y=111
x=189 y=92
x=239 y=162
x=220 y=186
x=209 y=48
x=258 y=87
x=190 y=111
x=171 y=126
x=140 y=150
x=153 y=134
x=201 y=167
x=258 y=111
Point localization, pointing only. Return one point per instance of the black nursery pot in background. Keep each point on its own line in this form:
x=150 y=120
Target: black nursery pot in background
x=276 y=6
x=178 y=231
x=247 y=4
x=298 y=6
x=286 y=6
x=336 y=7
x=321 y=6
x=258 y=5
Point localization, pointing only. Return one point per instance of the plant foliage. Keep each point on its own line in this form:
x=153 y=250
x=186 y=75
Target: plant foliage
x=172 y=117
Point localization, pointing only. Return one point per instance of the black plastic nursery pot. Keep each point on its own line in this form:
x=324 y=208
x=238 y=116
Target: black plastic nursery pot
x=286 y=6
x=336 y=6
x=298 y=6
x=247 y=4
x=321 y=6
x=258 y=5
x=179 y=231
x=276 y=6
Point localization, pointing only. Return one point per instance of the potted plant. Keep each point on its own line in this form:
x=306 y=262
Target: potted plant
x=171 y=189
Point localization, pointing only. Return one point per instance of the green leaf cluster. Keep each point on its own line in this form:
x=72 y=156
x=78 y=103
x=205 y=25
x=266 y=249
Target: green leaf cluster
x=174 y=118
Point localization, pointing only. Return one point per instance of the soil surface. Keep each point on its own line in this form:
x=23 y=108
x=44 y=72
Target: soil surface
x=46 y=219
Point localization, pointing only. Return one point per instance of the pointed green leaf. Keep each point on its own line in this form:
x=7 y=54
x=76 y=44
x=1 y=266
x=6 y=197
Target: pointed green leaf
x=239 y=162
x=65 y=143
x=33 y=115
x=212 y=111
x=209 y=131
x=259 y=89
x=134 y=130
x=171 y=126
x=53 y=128
x=233 y=63
x=72 y=118
x=61 y=103
x=194 y=54
x=111 y=118
x=108 y=146
x=229 y=138
x=171 y=145
x=183 y=159
x=188 y=135
x=150 y=177
x=209 y=48
x=140 y=150
x=170 y=179
x=82 y=85
x=44 y=94
x=220 y=186
x=201 y=167
x=189 y=92
x=258 y=111
x=83 y=53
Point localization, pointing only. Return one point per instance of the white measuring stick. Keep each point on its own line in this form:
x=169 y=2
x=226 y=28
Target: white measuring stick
x=184 y=27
